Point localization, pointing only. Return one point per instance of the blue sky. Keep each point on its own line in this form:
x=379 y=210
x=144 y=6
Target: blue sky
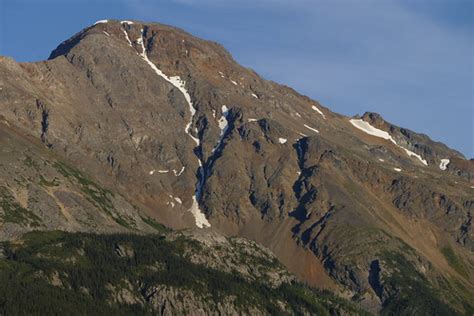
x=409 y=60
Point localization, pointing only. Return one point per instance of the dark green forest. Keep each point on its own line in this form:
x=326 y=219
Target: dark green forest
x=86 y=264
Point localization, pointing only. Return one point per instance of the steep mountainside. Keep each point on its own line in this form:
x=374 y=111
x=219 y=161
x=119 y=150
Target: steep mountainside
x=131 y=124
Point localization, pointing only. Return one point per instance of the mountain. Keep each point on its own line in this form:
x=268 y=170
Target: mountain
x=129 y=126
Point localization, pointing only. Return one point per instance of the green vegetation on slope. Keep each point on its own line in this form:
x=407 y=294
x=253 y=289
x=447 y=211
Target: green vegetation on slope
x=154 y=224
x=53 y=183
x=87 y=265
x=94 y=193
x=14 y=212
x=409 y=292
x=454 y=261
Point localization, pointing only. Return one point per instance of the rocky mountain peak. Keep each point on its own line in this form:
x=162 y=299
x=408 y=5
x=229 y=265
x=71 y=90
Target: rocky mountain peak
x=130 y=126
x=174 y=49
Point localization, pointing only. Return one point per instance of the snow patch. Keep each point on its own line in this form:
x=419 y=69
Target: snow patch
x=176 y=173
x=301 y=134
x=410 y=153
x=444 y=164
x=297 y=114
x=180 y=84
x=282 y=140
x=177 y=199
x=369 y=129
x=199 y=217
x=309 y=127
x=223 y=125
x=126 y=34
x=319 y=111
x=254 y=95
x=252 y=120
x=101 y=21
x=127 y=38
x=176 y=81
x=397 y=169
x=151 y=172
x=126 y=22
x=106 y=33
x=234 y=83
x=163 y=171
x=380 y=159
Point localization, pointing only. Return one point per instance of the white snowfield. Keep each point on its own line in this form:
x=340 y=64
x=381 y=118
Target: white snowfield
x=152 y=172
x=126 y=37
x=199 y=217
x=301 y=134
x=223 y=125
x=282 y=140
x=410 y=153
x=252 y=120
x=178 y=173
x=170 y=202
x=397 y=169
x=314 y=107
x=444 y=164
x=126 y=22
x=311 y=128
x=176 y=81
x=101 y=21
x=177 y=199
x=369 y=129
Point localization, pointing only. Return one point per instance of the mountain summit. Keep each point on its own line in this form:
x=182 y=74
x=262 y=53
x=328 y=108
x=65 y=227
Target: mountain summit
x=131 y=125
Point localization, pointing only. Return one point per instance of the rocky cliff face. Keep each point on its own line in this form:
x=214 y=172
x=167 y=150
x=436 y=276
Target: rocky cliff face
x=128 y=125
